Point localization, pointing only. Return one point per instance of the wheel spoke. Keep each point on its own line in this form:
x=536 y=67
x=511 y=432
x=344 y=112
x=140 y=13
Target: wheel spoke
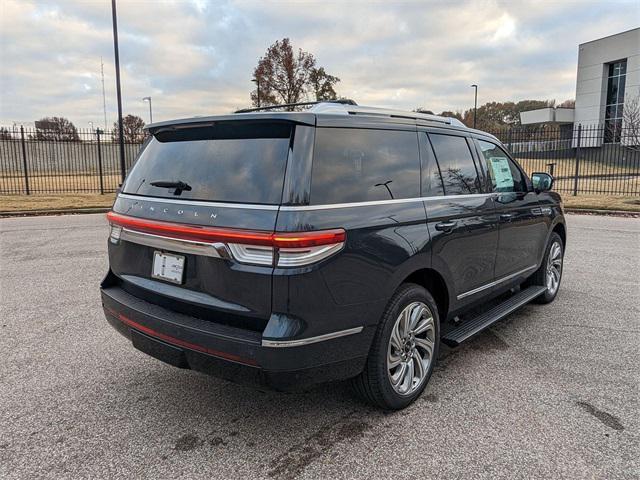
x=398 y=375
x=407 y=381
x=393 y=361
x=423 y=326
x=426 y=345
x=419 y=367
x=403 y=326
x=416 y=313
x=396 y=340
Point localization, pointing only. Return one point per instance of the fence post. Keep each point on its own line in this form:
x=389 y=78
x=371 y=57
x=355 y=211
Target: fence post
x=100 y=162
x=575 y=177
x=24 y=161
x=509 y=141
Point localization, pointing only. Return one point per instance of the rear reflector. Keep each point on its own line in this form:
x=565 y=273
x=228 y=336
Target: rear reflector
x=246 y=246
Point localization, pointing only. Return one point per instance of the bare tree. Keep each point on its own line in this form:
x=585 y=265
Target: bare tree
x=571 y=103
x=5 y=134
x=133 y=129
x=285 y=76
x=57 y=129
x=631 y=123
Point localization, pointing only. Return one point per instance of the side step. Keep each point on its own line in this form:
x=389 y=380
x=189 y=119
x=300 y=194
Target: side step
x=475 y=325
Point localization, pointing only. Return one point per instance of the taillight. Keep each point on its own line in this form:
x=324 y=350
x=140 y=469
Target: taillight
x=282 y=249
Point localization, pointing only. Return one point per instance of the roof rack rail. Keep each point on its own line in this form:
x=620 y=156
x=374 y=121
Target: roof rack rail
x=344 y=101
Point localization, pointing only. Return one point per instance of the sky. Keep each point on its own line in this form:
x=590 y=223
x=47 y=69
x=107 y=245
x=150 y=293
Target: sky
x=195 y=57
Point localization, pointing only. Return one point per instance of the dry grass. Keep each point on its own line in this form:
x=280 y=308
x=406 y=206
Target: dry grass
x=602 y=202
x=80 y=182
x=23 y=203
x=15 y=203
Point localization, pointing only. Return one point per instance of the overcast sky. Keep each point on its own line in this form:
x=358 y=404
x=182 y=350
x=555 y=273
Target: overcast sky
x=195 y=57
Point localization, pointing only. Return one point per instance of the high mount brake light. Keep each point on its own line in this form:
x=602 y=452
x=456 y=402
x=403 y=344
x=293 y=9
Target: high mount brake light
x=247 y=246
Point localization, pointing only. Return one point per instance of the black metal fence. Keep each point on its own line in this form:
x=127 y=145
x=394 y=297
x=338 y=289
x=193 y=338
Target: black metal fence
x=33 y=161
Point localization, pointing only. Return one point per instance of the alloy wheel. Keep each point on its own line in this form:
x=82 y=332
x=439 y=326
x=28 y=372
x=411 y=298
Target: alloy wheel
x=410 y=350
x=554 y=268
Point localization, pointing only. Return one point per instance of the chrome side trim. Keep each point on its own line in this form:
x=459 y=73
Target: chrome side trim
x=331 y=206
x=307 y=341
x=494 y=283
x=216 y=250
x=186 y=202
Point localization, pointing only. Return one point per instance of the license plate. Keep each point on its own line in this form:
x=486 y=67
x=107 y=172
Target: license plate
x=168 y=267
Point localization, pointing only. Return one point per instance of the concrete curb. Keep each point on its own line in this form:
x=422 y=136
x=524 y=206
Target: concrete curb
x=589 y=211
x=68 y=211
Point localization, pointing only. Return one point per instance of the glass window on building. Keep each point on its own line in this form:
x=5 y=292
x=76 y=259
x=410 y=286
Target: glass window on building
x=615 y=101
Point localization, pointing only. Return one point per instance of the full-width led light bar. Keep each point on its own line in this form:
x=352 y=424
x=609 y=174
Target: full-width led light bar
x=289 y=249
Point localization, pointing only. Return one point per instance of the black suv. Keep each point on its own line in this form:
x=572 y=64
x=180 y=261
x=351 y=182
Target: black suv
x=290 y=248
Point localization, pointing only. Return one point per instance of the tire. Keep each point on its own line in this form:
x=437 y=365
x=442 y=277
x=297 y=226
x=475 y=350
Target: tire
x=374 y=384
x=540 y=276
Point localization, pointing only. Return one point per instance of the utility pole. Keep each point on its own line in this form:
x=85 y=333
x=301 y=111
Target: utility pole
x=104 y=96
x=123 y=166
x=475 y=105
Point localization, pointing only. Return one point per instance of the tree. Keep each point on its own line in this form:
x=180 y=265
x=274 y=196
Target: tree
x=322 y=84
x=5 y=134
x=133 y=129
x=57 y=129
x=571 y=103
x=630 y=128
x=495 y=115
x=284 y=76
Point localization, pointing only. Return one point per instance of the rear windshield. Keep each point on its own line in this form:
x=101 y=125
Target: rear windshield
x=229 y=162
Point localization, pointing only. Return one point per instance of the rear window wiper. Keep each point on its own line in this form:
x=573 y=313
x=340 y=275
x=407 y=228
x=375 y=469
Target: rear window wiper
x=179 y=186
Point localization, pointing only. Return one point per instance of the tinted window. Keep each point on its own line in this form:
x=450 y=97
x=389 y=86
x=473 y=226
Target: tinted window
x=503 y=173
x=431 y=179
x=458 y=171
x=353 y=165
x=227 y=162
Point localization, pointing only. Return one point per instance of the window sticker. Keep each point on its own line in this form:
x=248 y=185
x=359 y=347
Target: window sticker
x=501 y=173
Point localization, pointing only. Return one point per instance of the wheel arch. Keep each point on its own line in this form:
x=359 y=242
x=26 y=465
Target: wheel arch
x=434 y=282
x=561 y=230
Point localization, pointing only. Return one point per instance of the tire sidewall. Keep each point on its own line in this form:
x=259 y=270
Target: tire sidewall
x=408 y=294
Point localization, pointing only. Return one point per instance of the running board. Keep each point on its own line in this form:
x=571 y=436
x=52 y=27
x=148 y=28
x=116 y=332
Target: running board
x=470 y=327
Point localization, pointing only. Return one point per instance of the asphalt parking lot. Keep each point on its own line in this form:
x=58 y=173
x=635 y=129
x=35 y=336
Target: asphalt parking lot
x=551 y=392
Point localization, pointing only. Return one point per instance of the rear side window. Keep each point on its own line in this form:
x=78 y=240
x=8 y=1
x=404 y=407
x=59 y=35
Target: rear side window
x=504 y=175
x=457 y=168
x=233 y=162
x=355 y=165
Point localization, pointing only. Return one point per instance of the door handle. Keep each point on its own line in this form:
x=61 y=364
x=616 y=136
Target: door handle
x=446 y=226
x=506 y=217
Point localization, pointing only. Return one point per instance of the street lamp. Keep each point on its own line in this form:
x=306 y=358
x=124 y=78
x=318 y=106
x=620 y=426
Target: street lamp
x=148 y=99
x=257 y=82
x=114 y=19
x=475 y=105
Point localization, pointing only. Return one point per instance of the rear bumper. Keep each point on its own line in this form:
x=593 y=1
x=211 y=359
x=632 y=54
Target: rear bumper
x=235 y=354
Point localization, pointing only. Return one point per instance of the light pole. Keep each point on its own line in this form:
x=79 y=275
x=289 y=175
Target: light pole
x=475 y=105
x=148 y=99
x=114 y=18
x=91 y=123
x=257 y=82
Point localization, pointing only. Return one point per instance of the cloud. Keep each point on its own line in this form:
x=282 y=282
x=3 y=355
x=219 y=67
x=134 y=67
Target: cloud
x=196 y=57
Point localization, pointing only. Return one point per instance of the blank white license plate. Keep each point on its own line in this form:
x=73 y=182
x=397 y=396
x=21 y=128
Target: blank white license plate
x=168 y=267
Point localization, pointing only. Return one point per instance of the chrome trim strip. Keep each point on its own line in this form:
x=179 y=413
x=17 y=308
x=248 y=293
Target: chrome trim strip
x=307 y=341
x=494 y=283
x=216 y=250
x=186 y=202
x=331 y=206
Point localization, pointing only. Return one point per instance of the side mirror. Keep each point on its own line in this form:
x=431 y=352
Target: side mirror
x=541 y=181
